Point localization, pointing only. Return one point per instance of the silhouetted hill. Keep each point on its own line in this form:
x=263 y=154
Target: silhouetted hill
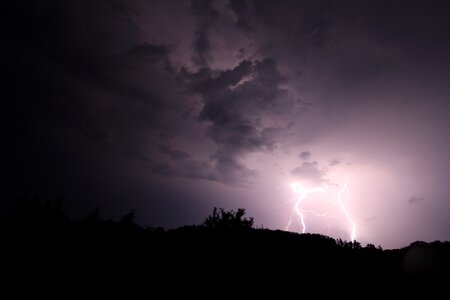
x=40 y=237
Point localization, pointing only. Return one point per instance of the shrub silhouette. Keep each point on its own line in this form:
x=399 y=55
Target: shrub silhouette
x=128 y=219
x=31 y=212
x=228 y=220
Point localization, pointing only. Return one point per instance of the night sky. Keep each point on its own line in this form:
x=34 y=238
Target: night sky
x=174 y=107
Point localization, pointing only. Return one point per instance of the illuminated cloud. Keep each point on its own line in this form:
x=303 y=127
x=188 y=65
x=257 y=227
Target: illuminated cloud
x=310 y=171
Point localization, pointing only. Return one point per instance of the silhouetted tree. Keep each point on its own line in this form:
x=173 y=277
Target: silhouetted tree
x=95 y=214
x=356 y=245
x=128 y=219
x=30 y=210
x=222 y=219
x=370 y=246
x=348 y=245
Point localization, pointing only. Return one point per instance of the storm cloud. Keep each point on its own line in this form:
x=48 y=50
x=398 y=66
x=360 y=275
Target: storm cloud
x=186 y=105
x=310 y=171
x=305 y=155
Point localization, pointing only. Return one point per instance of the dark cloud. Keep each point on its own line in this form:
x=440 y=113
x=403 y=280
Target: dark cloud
x=66 y=51
x=173 y=153
x=187 y=167
x=221 y=168
x=233 y=102
x=94 y=80
x=88 y=83
x=310 y=171
x=341 y=45
x=242 y=12
x=231 y=171
x=206 y=15
x=305 y=155
x=145 y=51
x=134 y=153
x=129 y=96
x=415 y=200
x=205 y=82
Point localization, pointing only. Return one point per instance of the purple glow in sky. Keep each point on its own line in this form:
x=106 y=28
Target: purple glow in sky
x=174 y=107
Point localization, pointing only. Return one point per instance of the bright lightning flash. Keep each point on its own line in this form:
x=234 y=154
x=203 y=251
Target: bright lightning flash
x=343 y=194
x=303 y=194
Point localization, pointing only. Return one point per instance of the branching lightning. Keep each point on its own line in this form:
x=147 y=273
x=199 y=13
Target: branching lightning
x=303 y=193
x=343 y=194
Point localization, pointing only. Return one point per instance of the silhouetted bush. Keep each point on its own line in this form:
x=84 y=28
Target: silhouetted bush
x=228 y=220
x=128 y=219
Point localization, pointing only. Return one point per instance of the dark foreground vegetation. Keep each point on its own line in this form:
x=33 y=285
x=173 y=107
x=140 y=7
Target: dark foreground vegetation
x=40 y=239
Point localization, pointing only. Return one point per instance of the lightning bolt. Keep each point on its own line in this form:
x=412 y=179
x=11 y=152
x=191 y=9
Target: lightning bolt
x=344 y=191
x=303 y=193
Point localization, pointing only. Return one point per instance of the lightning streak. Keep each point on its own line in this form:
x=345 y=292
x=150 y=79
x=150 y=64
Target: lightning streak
x=303 y=193
x=344 y=191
